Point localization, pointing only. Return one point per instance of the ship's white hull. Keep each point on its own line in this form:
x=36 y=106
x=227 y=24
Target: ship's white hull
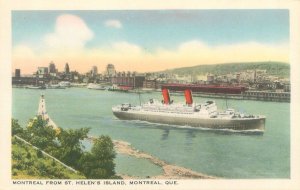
x=193 y=120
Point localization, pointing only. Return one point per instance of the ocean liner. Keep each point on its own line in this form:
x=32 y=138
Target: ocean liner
x=204 y=115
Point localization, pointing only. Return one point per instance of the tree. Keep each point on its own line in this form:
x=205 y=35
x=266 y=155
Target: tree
x=15 y=127
x=65 y=145
x=99 y=164
x=70 y=150
x=28 y=163
x=39 y=154
x=104 y=148
x=40 y=134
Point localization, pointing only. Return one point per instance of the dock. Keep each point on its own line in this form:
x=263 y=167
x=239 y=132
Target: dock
x=248 y=95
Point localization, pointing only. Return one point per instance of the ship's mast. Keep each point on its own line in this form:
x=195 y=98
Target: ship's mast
x=226 y=101
x=139 y=96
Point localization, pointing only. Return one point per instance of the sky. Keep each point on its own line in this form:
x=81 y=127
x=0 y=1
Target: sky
x=147 y=40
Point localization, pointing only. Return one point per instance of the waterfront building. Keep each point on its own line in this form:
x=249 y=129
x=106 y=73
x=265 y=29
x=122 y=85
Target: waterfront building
x=210 y=79
x=86 y=79
x=52 y=68
x=183 y=78
x=287 y=87
x=110 y=70
x=268 y=85
x=94 y=71
x=238 y=77
x=248 y=75
x=150 y=84
x=17 y=73
x=20 y=81
x=67 y=69
x=267 y=96
x=130 y=80
x=206 y=88
x=42 y=72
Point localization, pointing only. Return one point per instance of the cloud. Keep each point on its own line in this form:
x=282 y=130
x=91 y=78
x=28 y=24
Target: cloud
x=126 y=47
x=23 y=49
x=127 y=56
x=113 y=24
x=196 y=53
x=67 y=44
x=71 y=32
x=25 y=58
x=193 y=45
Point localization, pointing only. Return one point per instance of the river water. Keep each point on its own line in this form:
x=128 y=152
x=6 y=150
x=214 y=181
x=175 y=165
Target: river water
x=219 y=153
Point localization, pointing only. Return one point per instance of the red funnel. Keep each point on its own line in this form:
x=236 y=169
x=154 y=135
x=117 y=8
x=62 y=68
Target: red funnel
x=188 y=96
x=165 y=93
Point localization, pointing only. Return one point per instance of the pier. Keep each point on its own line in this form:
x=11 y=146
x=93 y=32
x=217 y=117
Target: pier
x=43 y=112
x=248 y=95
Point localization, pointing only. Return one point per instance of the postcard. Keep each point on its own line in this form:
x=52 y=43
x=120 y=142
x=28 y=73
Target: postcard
x=150 y=96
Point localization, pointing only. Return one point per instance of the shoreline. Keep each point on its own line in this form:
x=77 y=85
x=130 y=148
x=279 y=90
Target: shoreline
x=169 y=171
x=264 y=96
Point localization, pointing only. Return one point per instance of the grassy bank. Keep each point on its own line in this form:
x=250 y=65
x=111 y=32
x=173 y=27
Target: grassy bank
x=28 y=163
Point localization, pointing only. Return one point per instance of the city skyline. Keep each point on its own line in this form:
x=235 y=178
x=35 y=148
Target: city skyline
x=147 y=40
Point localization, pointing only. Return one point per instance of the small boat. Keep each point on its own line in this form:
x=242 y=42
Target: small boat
x=119 y=88
x=204 y=115
x=65 y=84
x=55 y=86
x=35 y=87
x=94 y=86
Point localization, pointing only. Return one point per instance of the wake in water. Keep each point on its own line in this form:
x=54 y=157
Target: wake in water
x=203 y=129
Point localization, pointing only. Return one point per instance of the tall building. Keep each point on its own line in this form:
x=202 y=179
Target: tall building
x=17 y=73
x=42 y=70
x=52 y=68
x=67 y=69
x=94 y=71
x=110 y=70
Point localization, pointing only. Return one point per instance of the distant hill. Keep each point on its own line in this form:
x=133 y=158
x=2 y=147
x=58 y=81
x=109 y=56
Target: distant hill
x=273 y=68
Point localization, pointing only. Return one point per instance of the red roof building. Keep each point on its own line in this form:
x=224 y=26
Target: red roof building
x=205 y=88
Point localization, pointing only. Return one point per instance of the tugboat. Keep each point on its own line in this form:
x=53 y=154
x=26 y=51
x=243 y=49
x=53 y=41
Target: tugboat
x=204 y=115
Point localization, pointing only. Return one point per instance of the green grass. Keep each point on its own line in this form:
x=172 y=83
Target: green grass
x=28 y=163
